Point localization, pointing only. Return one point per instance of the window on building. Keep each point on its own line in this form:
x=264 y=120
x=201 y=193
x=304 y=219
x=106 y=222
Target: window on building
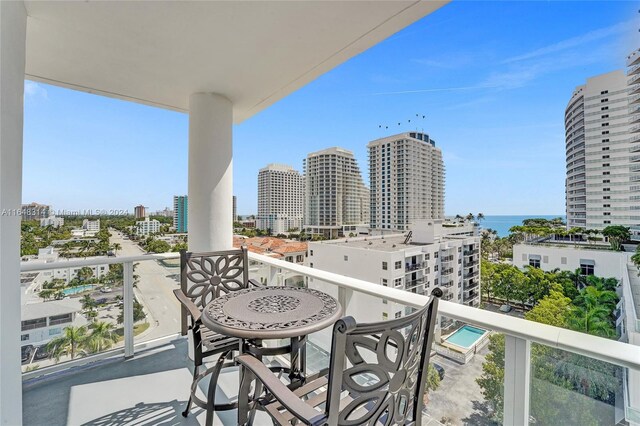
x=311 y=265
x=435 y=255
x=34 y=323
x=435 y=268
x=586 y=268
x=24 y=337
x=604 y=92
x=604 y=157
x=607 y=222
x=60 y=319
x=398 y=315
x=384 y=282
x=54 y=331
x=346 y=258
x=397 y=282
x=563 y=260
x=606 y=173
x=604 y=100
x=385 y=301
x=426 y=256
x=606 y=148
x=606 y=189
x=606 y=132
x=606 y=205
x=384 y=266
x=605 y=164
x=604 y=116
x=398 y=264
x=606 y=181
x=310 y=252
x=606 y=197
x=604 y=108
x=606 y=214
x=385 y=316
x=534 y=262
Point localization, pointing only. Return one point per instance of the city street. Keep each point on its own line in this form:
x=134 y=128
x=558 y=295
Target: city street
x=154 y=290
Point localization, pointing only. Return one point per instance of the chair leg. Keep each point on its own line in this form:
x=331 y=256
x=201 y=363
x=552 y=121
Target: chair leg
x=185 y=413
x=211 y=393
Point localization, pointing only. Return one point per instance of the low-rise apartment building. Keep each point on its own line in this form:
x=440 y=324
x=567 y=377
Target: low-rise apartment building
x=42 y=322
x=147 y=226
x=53 y=221
x=430 y=255
x=601 y=262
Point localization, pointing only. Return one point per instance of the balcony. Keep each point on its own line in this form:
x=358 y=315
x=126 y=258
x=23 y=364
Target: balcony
x=156 y=378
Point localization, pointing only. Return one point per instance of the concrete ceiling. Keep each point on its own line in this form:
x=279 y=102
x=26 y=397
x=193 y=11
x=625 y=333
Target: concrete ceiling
x=158 y=53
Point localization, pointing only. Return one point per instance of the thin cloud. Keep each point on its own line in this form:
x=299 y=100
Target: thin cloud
x=34 y=90
x=438 y=89
x=588 y=37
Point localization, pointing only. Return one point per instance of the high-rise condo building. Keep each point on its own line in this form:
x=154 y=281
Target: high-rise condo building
x=280 y=198
x=35 y=211
x=602 y=171
x=180 y=210
x=235 y=208
x=336 y=198
x=140 y=211
x=406 y=180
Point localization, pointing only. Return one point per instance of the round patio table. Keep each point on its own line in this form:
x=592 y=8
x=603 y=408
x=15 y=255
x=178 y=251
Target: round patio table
x=271 y=312
x=263 y=313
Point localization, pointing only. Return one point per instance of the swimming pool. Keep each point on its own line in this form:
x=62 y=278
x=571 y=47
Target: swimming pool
x=466 y=336
x=78 y=289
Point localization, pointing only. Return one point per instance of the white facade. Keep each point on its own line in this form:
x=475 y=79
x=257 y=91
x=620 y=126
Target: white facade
x=280 y=198
x=603 y=173
x=147 y=226
x=335 y=194
x=53 y=221
x=43 y=322
x=91 y=225
x=406 y=176
x=433 y=257
x=601 y=263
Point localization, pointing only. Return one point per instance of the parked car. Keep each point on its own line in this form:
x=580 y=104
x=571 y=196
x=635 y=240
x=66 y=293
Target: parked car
x=439 y=369
x=26 y=352
x=41 y=352
x=105 y=290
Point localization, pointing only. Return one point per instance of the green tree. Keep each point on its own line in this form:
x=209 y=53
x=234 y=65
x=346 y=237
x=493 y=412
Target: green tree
x=553 y=309
x=46 y=294
x=85 y=273
x=69 y=343
x=102 y=337
x=636 y=259
x=617 y=235
x=492 y=379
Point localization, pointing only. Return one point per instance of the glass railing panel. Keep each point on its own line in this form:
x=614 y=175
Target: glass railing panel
x=69 y=313
x=156 y=311
x=572 y=389
x=470 y=360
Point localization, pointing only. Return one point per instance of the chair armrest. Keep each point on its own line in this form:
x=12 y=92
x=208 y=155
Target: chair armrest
x=300 y=409
x=188 y=303
x=255 y=283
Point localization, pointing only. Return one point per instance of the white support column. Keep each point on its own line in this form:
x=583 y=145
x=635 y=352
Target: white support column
x=210 y=221
x=13 y=27
x=517 y=373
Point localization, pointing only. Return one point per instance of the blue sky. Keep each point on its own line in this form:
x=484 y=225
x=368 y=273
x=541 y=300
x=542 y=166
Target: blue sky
x=492 y=78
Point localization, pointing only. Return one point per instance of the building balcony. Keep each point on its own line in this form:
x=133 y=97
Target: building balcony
x=634 y=70
x=151 y=382
x=635 y=118
x=635 y=99
x=635 y=79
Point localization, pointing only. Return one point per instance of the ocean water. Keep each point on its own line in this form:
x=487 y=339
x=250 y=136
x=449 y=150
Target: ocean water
x=503 y=223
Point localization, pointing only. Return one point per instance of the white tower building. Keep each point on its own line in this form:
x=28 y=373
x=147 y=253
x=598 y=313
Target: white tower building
x=280 y=198
x=601 y=138
x=406 y=174
x=336 y=198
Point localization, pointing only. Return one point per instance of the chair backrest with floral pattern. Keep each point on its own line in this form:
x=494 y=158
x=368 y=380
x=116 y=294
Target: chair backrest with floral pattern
x=206 y=276
x=383 y=367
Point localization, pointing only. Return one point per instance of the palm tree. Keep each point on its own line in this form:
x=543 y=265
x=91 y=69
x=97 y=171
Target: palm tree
x=70 y=343
x=480 y=217
x=592 y=320
x=102 y=337
x=116 y=247
x=636 y=258
x=470 y=217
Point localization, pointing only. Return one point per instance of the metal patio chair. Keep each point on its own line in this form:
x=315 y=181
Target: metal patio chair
x=377 y=375
x=204 y=277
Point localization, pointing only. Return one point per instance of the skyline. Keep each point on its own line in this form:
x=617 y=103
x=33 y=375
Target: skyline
x=462 y=71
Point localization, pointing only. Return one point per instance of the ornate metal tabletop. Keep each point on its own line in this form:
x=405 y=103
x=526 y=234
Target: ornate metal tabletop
x=271 y=312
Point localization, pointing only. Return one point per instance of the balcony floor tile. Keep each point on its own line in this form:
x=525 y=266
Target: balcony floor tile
x=150 y=389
